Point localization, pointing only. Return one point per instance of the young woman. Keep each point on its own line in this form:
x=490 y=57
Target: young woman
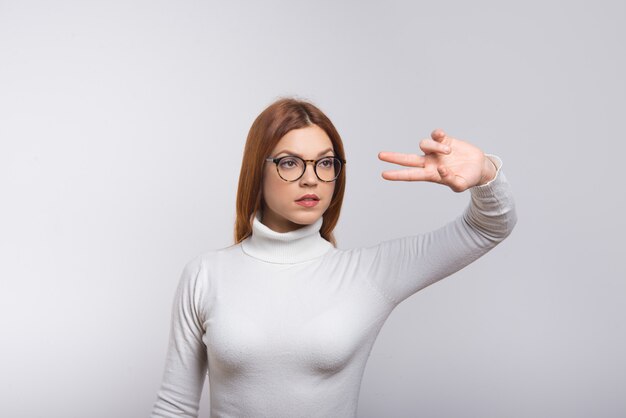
x=283 y=320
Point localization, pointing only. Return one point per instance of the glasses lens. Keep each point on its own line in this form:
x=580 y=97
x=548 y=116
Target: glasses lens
x=328 y=168
x=290 y=168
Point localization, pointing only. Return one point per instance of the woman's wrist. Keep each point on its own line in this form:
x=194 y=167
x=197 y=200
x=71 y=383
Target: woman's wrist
x=490 y=169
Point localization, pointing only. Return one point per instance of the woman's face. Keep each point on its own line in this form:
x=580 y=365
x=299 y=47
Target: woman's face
x=281 y=210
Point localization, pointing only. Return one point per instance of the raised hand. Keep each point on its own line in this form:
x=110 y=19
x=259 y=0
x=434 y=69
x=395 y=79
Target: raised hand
x=446 y=160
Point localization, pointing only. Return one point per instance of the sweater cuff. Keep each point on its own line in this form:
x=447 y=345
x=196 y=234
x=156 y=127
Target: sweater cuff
x=488 y=189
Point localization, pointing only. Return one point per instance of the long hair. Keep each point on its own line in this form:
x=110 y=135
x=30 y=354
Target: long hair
x=268 y=128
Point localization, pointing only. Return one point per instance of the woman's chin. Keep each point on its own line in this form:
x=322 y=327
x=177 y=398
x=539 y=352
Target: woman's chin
x=305 y=218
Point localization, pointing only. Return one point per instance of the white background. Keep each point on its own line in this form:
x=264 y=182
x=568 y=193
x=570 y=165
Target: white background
x=122 y=126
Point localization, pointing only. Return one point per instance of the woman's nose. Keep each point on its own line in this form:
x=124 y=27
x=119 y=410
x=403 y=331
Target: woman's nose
x=309 y=176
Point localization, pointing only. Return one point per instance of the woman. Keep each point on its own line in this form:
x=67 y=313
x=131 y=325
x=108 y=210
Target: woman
x=283 y=319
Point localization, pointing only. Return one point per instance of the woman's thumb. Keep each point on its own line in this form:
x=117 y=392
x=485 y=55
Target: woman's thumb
x=443 y=172
x=450 y=179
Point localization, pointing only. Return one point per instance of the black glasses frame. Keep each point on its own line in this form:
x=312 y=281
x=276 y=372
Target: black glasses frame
x=276 y=161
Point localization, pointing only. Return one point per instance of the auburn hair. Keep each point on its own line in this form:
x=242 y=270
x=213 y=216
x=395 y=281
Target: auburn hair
x=274 y=122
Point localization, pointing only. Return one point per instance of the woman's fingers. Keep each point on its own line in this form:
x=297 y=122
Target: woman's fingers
x=418 y=173
x=438 y=135
x=430 y=146
x=407 y=160
x=439 y=143
x=411 y=174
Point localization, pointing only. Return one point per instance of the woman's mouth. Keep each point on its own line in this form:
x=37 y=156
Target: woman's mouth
x=307 y=203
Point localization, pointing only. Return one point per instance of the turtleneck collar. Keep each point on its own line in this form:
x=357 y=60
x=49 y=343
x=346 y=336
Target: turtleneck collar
x=296 y=246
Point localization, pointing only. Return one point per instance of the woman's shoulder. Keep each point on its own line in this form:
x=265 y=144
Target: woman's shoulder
x=212 y=256
x=201 y=270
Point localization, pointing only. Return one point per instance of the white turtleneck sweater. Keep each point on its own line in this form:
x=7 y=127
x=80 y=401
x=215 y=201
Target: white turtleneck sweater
x=285 y=322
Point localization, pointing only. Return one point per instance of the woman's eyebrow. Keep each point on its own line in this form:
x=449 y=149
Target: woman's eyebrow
x=298 y=155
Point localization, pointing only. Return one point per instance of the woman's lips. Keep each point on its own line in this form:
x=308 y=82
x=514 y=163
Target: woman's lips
x=307 y=203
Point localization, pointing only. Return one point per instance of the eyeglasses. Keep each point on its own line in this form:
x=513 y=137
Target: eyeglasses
x=291 y=168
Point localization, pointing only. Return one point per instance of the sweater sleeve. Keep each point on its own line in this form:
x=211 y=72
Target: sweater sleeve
x=401 y=267
x=186 y=360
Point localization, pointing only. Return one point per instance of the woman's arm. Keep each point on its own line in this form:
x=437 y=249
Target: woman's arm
x=403 y=266
x=186 y=361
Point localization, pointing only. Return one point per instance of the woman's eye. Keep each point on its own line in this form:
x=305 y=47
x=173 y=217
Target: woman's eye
x=288 y=163
x=328 y=163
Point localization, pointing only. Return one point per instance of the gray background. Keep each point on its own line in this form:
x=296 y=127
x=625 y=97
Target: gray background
x=122 y=126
